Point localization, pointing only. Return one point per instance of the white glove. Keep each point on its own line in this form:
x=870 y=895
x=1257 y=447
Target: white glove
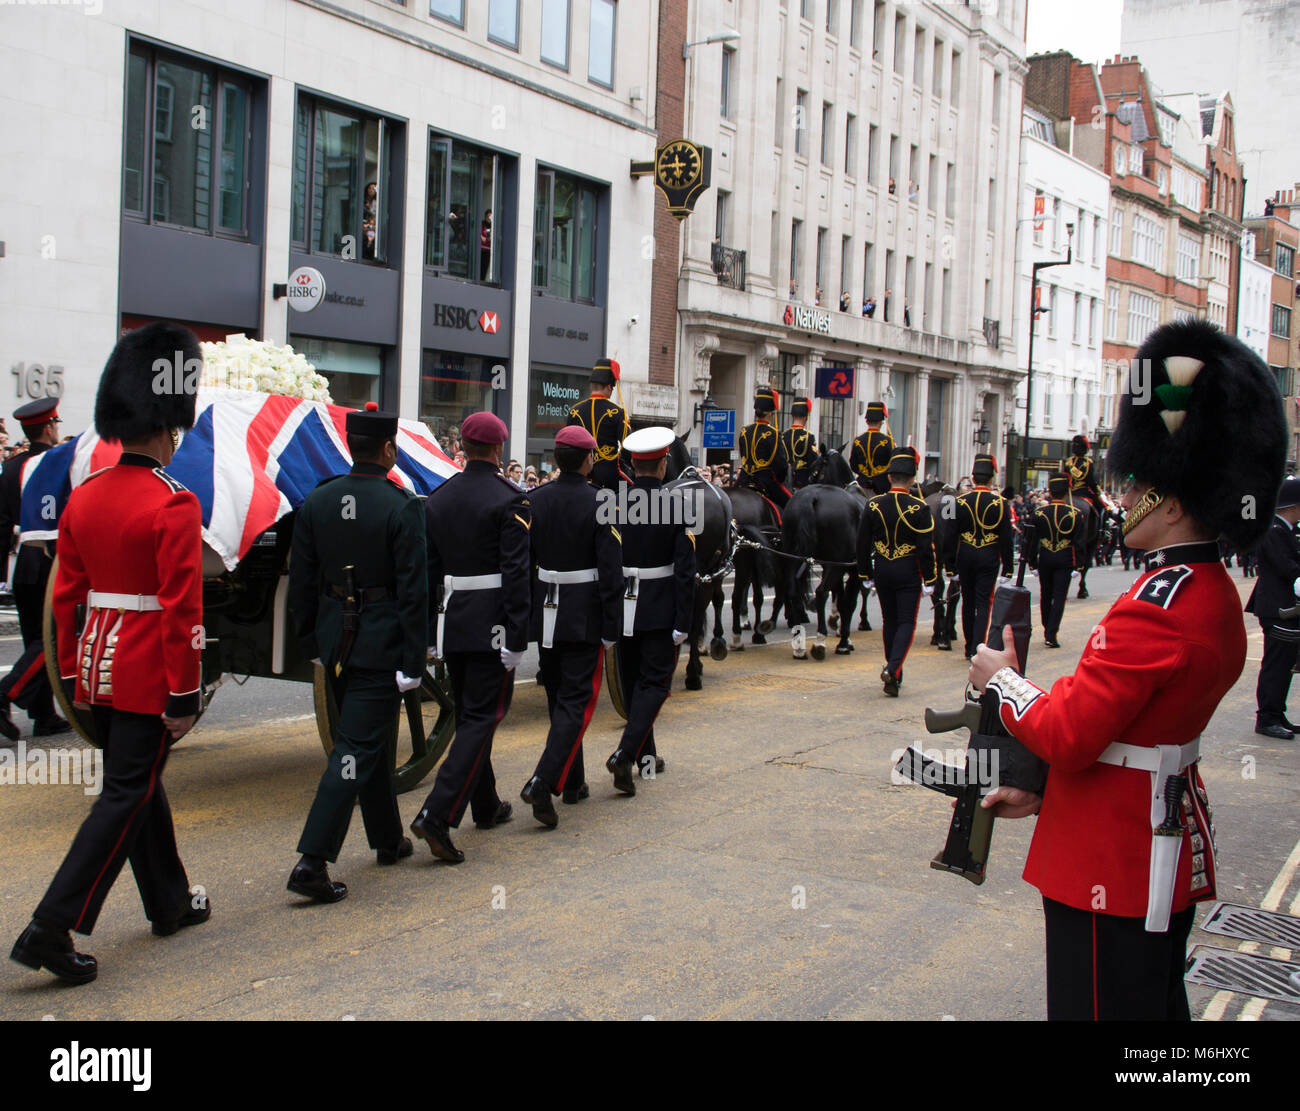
x=511 y=660
x=868 y=586
x=1005 y=580
x=607 y=643
x=679 y=637
x=433 y=653
x=1295 y=588
x=927 y=590
x=404 y=684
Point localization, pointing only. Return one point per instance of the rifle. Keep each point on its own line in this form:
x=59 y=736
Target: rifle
x=993 y=757
x=351 y=618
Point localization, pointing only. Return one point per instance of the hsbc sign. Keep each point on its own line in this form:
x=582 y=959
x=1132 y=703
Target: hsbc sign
x=463 y=319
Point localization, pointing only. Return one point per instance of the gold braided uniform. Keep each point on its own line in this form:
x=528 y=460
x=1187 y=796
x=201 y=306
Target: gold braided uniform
x=896 y=551
x=870 y=458
x=607 y=422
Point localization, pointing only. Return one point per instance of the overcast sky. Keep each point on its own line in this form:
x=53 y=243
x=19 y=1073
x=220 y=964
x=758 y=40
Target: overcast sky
x=1090 y=31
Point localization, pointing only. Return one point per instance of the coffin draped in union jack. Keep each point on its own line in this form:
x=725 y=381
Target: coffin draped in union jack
x=250 y=458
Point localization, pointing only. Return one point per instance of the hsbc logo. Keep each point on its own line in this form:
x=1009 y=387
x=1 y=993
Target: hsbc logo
x=488 y=322
x=455 y=316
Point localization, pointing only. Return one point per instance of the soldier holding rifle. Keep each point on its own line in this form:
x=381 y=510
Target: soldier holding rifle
x=1124 y=847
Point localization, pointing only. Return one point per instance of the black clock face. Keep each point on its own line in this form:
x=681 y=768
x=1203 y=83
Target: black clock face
x=678 y=165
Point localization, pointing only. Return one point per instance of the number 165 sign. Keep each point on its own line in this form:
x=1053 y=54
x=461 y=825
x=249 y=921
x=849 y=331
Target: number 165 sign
x=35 y=380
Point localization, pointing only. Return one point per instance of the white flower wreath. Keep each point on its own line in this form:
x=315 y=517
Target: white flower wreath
x=239 y=363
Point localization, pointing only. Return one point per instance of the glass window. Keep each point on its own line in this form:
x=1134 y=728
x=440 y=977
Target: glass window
x=353 y=369
x=565 y=236
x=1282 y=321
x=182 y=152
x=780 y=113
x=873 y=153
x=234 y=131
x=828 y=133
x=727 y=57
x=850 y=144
x=878 y=30
x=555 y=32
x=918 y=59
x=464 y=193
x=451 y=387
x=855 y=22
x=453 y=11
x=795 y=226
x=137 y=83
x=503 y=22
x=1285 y=260
x=600 y=48
x=800 y=120
x=1112 y=314
x=900 y=42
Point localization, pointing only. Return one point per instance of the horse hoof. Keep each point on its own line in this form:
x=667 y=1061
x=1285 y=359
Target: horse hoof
x=833 y=621
x=758 y=638
x=766 y=627
x=864 y=627
x=693 y=683
x=818 y=651
x=717 y=649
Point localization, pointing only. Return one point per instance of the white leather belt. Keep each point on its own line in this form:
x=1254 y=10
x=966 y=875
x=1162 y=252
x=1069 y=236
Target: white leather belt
x=453 y=583
x=1161 y=762
x=632 y=577
x=137 y=603
x=551 y=606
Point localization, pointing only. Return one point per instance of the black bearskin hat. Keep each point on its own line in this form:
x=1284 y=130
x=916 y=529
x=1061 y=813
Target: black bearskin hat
x=1201 y=419
x=149 y=384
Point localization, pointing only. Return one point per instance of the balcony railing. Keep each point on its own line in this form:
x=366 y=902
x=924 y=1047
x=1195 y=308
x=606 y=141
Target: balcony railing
x=729 y=266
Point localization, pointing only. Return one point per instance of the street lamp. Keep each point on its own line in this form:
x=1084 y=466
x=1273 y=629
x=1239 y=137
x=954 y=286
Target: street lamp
x=702 y=407
x=724 y=36
x=1034 y=310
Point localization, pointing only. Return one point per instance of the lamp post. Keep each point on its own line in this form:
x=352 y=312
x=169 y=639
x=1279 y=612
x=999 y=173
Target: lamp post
x=1034 y=310
x=724 y=36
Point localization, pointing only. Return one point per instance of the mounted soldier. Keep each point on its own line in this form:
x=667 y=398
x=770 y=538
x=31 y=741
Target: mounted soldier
x=763 y=462
x=872 y=451
x=800 y=444
x=607 y=422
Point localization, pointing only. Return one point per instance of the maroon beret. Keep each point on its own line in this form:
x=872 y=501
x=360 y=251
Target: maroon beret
x=484 y=428
x=574 y=435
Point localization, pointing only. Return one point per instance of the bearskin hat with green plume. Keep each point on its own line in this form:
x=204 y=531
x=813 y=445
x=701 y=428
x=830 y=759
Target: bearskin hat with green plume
x=1201 y=419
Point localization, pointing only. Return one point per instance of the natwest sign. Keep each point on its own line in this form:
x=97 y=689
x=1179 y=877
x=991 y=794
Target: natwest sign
x=808 y=320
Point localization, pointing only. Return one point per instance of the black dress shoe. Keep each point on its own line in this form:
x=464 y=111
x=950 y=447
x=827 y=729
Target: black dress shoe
x=47 y=727
x=660 y=764
x=574 y=795
x=316 y=886
x=392 y=856
x=42 y=946
x=891 y=687
x=503 y=814
x=1052 y=643
x=195 y=916
x=7 y=727
x=438 y=837
x=944 y=645
x=538 y=795
x=1277 y=732
x=1082 y=593
x=624 y=781
x=1286 y=724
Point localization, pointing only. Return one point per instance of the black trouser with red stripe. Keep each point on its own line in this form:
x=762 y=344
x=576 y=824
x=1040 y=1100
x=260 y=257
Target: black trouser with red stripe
x=899 y=590
x=1102 y=968
x=129 y=821
x=359 y=767
x=979 y=578
x=571 y=672
x=1053 y=586
x=771 y=488
x=646 y=663
x=482 y=689
x=27 y=685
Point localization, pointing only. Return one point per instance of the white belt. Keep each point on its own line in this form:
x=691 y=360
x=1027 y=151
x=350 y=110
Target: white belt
x=551 y=606
x=137 y=603
x=631 y=578
x=1162 y=762
x=453 y=583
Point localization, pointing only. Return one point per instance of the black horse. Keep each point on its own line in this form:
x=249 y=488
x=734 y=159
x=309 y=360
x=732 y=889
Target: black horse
x=1091 y=521
x=756 y=567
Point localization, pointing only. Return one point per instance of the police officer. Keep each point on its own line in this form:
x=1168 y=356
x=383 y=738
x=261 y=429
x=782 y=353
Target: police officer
x=763 y=462
x=896 y=553
x=872 y=451
x=800 y=445
x=360 y=600
x=1054 y=548
x=607 y=422
x=1121 y=735
x=477 y=524
x=577 y=590
x=129 y=559
x=1276 y=588
x=984 y=539
x=659 y=571
x=26 y=684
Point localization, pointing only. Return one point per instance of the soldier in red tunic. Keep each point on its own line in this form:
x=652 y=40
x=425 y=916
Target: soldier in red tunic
x=130 y=561
x=1124 y=847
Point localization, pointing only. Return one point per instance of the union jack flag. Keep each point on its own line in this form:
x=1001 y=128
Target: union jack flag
x=250 y=458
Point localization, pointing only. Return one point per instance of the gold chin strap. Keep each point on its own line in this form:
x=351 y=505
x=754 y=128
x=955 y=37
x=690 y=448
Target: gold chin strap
x=1146 y=503
x=176 y=438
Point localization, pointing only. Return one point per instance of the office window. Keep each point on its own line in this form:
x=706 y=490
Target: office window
x=821 y=266
x=780 y=113
x=503 y=22
x=1077 y=334
x=1144 y=242
x=453 y=11
x=913 y=172
x=918 y=58
x=555 y=32
x=1285 y=260
x=1117 y=232
x=774 y=243
x=464 y=200
x=932 y=193
x=909 y=280
x=1112 y=314
x=728 y=57
x=927 y=307
x=868 y=275
x=997 y=98
x=1142 y=317
x=846 y=268
x=936 y=70
x=1040 y=216
x=1092 y=321
x=1096 y=241
x=855 y=23
x=341 y=162
x=1187 y=258
x=796 y=226
x=1058 y=231
x=850 y=145
x=1082 y=237
x=900 y=42
x=828 y=134
x=893 y=162
x=805 y=9
x=950 y=192
x=878 y=30
x=832 y=10
x=993 y=204
x=873 y=154
x=564 y=236
x=954 y=81
x=988 y=299
x=1051 y=311
x=889 y=283
x=600 y=44
x=1281 y=321
x=720 y=220
x=946 y=322
x=171 y=173
x=800 y=121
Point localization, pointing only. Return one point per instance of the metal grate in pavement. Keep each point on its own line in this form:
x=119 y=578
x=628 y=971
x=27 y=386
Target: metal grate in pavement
x=1253 y=924
x=1230 y=970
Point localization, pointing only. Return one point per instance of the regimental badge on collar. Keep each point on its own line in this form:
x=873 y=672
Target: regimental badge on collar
x=1161 y=587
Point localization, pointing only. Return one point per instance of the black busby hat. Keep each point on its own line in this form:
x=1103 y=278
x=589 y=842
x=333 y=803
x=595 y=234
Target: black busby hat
x=876 y=412
x=371 y=422
x=149 y=384
x=605 y=372
x=800 y=407
x=1058 y=486
x=985 y=466
x=1289 y=495
x=903 y=461
x=1080 y=445
x=1201 y=420
x=765 y=400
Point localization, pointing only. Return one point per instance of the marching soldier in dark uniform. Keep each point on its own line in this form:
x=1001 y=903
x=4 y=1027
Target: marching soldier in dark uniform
x=127 y=600
x=872 y=451
x=1124 y=846
x=1276 y=588
x=984 y=539
x=577 y=598
x=659 y=571
x=1054 y=548
x=477 y=524
x=26 y=684
x=607 y=422
x=763 y=463
x=360 y=601
x=896 y=553
x=800 y=445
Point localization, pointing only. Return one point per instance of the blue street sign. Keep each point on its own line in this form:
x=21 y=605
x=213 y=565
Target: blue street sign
x=719 y=428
